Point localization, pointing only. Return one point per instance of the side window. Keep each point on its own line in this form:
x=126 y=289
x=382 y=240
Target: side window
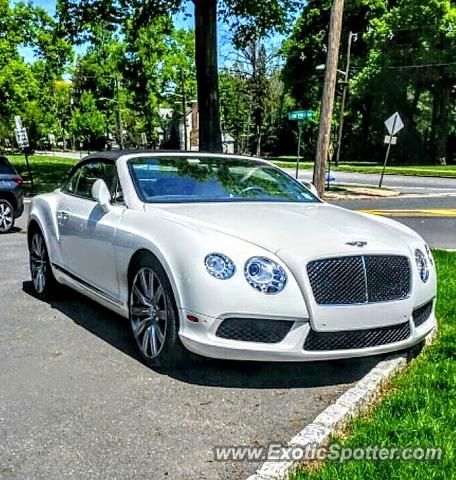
x=72 y=182
x=81 y=182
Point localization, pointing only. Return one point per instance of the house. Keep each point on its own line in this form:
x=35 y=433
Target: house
x=182 y=133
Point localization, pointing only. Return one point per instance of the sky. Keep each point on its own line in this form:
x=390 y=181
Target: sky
x=48 y=5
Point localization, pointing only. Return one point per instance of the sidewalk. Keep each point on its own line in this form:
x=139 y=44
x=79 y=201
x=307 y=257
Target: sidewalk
x=350 y=192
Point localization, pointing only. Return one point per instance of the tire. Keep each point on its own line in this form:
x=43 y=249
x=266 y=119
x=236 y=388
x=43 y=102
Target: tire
x=43 y=280
x=154 y=321
x=6 y=216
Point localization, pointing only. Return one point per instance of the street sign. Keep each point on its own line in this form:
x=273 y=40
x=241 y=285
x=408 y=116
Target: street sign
x=389 y=139
x=394 y=124
x=23 y=143
x=22 y=138
x=300 y=115
x=297 y=116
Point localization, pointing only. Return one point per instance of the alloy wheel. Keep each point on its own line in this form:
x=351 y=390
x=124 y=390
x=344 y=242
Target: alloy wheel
x=38 y=263
x=148 y=312
x=6 y=217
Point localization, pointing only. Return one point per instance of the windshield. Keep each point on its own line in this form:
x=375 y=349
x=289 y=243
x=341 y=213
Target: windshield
x=213 y=179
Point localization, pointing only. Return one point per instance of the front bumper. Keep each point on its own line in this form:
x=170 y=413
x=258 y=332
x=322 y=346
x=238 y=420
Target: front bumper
x=201 y=338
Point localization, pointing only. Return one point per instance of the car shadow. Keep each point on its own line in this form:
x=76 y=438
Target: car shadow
x=15 y=229
x=114 y=330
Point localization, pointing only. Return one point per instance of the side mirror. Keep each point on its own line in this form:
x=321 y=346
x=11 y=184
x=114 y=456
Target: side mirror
x=310 y=186
x=101 y=194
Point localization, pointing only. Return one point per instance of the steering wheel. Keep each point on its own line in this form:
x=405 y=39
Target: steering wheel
x=253 y=189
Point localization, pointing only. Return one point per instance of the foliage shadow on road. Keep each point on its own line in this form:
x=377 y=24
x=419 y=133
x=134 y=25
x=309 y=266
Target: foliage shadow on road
x=114 y=330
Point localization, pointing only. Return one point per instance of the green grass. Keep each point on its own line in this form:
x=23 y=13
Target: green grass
x=366 y=167
x=419 y=408
x=48 y=172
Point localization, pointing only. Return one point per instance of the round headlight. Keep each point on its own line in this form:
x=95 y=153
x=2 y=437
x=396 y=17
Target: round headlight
x=422 y=264
x=265 y=275
x=219 y=266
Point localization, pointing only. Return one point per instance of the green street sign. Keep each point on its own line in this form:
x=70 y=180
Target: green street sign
x=300 y=115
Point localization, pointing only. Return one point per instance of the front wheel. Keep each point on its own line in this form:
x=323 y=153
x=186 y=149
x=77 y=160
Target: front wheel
x=6 y=216
x=43 y=279
x=153 y=315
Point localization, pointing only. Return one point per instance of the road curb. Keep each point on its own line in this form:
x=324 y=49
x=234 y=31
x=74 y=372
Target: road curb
x=337 y=416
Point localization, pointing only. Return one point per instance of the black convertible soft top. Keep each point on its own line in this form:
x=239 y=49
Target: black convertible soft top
x=115 y=154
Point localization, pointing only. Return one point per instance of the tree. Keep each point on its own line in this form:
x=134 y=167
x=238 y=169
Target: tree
x=252 y=96
x=28 y=90
x=246 y=16
x=403 y=60
x=88 y=124
x=158 y=69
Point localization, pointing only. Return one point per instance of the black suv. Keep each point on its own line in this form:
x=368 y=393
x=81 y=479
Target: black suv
x=11 y=195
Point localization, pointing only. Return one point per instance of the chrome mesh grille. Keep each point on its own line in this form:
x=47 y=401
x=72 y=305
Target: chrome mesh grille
x=422 y=314
x=254 y=330
x=359 y=279
x=354 y=339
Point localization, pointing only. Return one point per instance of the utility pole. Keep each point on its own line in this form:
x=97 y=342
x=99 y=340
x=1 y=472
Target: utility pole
x=119 y=116
x=298 y=158
x=184 y=109
x=73 y=139
x=327 y=101
x=351 y=37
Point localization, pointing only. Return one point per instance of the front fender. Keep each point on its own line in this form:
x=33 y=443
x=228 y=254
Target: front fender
x=181 y=248
x=43 y=212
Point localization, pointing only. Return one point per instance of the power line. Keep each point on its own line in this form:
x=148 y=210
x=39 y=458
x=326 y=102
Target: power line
x=424 y=65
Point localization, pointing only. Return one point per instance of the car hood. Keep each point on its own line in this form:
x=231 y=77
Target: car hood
x=300 y=230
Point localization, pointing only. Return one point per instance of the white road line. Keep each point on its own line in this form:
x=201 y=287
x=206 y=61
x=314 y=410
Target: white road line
x=427 y=195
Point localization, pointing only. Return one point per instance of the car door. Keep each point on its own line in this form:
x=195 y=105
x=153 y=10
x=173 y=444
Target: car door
x=87 y=232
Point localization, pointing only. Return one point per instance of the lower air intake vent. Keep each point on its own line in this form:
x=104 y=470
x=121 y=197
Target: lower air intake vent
x=422 y=314
x=254 y=330
x=318 y=341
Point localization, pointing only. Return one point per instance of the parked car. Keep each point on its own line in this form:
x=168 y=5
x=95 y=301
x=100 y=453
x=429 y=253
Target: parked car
x=230 y=257
x=11 y=195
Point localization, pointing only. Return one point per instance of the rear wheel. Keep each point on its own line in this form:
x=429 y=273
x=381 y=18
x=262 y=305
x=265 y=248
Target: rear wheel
x=43 y=279
x=153 y=315
x=6 y=216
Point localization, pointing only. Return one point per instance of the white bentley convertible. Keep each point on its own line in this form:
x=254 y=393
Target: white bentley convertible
x=230 y=257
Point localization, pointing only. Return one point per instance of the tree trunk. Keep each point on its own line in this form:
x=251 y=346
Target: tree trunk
x=210 y=135
x=258 y=137
x=440 y=123
x=414 y=106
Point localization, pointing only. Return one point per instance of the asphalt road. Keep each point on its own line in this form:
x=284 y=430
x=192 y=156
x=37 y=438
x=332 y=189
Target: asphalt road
x=402 y=183
x=428 y=216
x=77 y=403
